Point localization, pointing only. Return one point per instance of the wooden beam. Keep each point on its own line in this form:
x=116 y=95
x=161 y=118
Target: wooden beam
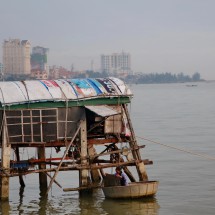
x=96 y=141
x=118 y=151
x=77 y=167
x=61 y=143
x=136 y=154
x=81 y=188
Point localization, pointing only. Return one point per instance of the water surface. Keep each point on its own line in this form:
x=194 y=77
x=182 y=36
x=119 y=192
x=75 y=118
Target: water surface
x=172 y=114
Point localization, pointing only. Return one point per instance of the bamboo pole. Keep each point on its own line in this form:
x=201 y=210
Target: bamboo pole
x=54 y=180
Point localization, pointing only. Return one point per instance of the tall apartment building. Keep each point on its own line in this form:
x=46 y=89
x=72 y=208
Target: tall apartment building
x=117 y=63
x=16 y=57
x=39 y=58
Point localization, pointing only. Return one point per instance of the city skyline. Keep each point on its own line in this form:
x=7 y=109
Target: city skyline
x=161 y=36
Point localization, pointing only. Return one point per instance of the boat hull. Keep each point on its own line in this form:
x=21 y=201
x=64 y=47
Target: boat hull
x=133 y=190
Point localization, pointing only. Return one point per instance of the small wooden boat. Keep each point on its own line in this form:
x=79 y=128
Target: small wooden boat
x=132 y=190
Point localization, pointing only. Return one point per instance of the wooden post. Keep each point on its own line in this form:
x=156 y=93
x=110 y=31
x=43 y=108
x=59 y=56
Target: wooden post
x=94 y=172
x=136 y=153
x=5 y=164
x=83 y=140
x=42 y=175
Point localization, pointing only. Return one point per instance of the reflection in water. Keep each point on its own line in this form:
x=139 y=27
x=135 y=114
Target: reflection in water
x=144 y=206
x=21 y=195
x=74 y=204
x=96 y=204
x=5 y=207
x=91 y=203
x=43 y=205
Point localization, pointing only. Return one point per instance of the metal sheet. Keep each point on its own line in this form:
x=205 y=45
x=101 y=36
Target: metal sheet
x=103 y=110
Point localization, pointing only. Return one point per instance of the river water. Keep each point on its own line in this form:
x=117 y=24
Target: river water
x=176 y=115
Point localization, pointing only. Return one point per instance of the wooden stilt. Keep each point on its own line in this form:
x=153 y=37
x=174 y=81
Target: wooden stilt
x=136 y=154
x=83 y=139
x=42 y=166
x=21 y=181
x=5 y=165
x=95 y=176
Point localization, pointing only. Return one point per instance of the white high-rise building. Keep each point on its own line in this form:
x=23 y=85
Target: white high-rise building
x=16 y=57
x=117 y=63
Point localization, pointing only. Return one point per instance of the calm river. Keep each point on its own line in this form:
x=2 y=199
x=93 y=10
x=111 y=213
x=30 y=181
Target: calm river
x=176 y=115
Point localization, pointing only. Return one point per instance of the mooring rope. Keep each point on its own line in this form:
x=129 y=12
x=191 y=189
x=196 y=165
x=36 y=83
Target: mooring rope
x=208 y=157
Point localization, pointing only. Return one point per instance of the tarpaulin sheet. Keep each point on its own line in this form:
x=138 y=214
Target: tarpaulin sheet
x=67 y=89
x=83 y=87
x=31 y=91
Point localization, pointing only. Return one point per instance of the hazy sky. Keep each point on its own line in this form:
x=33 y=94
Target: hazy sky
x=161 y=35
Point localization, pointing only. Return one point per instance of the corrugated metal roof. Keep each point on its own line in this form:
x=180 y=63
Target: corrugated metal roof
x=103 y=110
x=27 y=92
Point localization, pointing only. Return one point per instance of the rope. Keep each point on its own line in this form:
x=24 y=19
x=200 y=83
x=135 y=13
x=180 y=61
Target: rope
x=180 y=149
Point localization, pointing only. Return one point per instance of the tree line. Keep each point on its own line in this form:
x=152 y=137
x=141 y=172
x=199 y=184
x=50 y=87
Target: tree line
x=150 y=78
x=162 y=78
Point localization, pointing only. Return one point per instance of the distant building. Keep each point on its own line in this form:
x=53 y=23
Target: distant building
x=37 y=74
x=16 y=57
x=57 y=72
x=1 y=72
x=117 y=63
x=39 y=59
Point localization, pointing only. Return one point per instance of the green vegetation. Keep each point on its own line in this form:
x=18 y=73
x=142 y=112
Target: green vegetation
x=92 y=74
x=151 y=78
x=162 y=78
